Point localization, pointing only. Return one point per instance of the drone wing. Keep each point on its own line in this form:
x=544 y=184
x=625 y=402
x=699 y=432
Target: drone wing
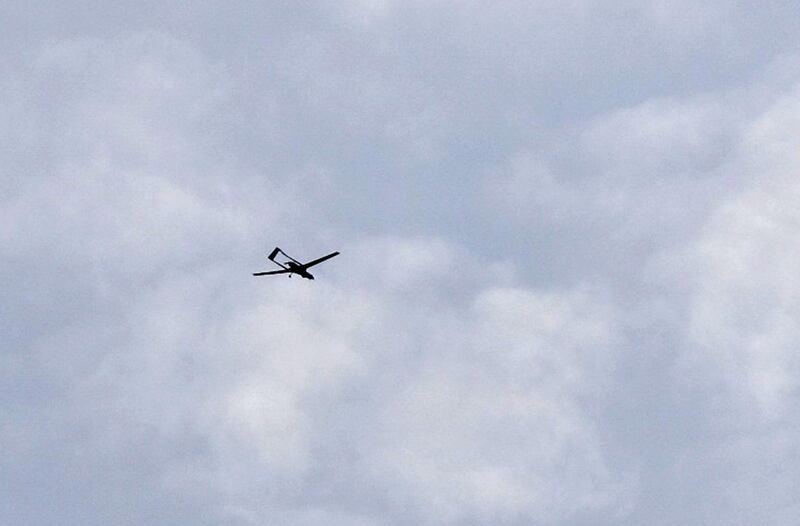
x=283 y=271
x=320 y=260
x=284 y=254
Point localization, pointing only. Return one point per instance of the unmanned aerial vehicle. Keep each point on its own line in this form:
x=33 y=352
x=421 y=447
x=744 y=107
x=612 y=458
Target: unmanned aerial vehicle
x=290 y=266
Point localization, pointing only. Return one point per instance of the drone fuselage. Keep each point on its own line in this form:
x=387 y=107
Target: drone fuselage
x=299 y=270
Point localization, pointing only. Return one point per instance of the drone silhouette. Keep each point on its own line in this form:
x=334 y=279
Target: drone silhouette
x=292 y=266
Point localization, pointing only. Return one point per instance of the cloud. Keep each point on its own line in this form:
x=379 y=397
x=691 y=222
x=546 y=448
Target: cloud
x=742 y=309
x=739 y=358
x=696 y=194
x=523 y=363
x=598 y=331
x=168 y=366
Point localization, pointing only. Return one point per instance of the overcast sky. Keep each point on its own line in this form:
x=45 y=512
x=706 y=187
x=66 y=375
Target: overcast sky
x=568 y=289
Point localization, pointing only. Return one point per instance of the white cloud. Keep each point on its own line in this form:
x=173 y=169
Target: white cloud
x=422 y=378
x=484 y=410
x=745 y=303
x=496 y=423
x=596 y=173
x=737 y=283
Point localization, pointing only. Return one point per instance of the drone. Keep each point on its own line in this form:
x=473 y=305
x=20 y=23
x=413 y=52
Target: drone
x=292 y=266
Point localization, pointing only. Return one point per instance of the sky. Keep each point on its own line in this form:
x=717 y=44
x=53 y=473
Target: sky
x=567 y=292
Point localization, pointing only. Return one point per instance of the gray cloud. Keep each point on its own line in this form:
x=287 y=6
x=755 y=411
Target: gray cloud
x=565 y=294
